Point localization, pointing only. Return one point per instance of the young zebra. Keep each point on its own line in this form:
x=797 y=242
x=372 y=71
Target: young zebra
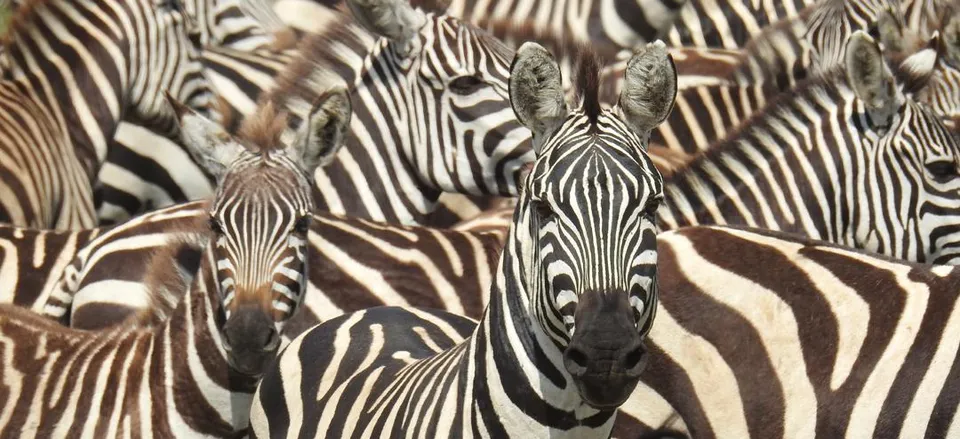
x=66 y=82
x=847 y=158
x=768 y=335
x=560 y=344
x=194 y=374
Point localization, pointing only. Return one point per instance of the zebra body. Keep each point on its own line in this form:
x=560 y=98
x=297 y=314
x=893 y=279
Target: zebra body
x=355 y=264
x=824 y=164
x=776 y=336
x=66 y=84
x=531 y=365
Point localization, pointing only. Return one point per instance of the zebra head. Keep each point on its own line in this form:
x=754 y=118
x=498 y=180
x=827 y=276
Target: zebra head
x=585 y=217
x=444 y=84
x=260 y=215
x=941 y=90
x=910 y=200
x=165 y=59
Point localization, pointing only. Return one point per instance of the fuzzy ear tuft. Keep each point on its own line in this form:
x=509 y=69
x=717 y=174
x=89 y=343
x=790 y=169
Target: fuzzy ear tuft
x=649 y=87
x=536 y=90
x=870 y=78
x=206 y=141
x=323 y=134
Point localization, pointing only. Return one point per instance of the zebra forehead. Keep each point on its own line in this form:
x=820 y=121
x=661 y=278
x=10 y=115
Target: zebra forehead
x=596 y=170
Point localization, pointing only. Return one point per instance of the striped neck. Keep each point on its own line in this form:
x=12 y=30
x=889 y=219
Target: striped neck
x=219 y=398
x=520 y=383
x=380 y=169
x=773 y=175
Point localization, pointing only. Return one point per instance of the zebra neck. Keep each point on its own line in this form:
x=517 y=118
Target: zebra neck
x=789 y=170
x=78 y=80
x=373 y=178
x=520 y=385
x=219 y=397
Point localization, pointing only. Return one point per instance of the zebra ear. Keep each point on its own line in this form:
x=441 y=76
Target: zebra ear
x=536 y=91
x=206 y=141
x=916 y=70
x=319 y=140
x=649 y=87
x=393 y=19
x=870 y=78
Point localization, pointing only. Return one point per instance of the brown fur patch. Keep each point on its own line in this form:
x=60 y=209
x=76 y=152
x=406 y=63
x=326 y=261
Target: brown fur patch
x=284 y=39
x=23 y=18
x=163 y=279
x=262 y=130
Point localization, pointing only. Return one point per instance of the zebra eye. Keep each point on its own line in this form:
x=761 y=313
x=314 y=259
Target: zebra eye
x=170 y=5
x=542 y=209
x=465 y=85
x=942 y=170
x=652 y=207
x=302 y=226
x=215 y=226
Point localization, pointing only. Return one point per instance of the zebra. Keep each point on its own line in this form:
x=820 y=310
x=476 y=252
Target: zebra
x=355 y=263
x=706 y=115
x=421 y=157
x=765 y=334
x=568 y=309
x=67 y=81
x=194 y=373
x=847 y=158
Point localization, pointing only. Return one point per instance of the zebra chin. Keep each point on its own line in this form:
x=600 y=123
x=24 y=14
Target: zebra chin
x=606 y=354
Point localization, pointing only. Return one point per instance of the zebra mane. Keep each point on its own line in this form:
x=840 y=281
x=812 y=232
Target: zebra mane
x=261 y=132
x=315 y=71
x=170 y=271
x=587 y=89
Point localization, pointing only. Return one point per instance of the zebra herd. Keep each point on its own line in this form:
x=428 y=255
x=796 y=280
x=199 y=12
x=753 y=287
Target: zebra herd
x=398 y=218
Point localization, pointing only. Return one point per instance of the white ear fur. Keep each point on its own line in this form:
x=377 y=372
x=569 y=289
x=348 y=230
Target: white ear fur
x=649 y=87
x=393 y=19
x=209 y=144
x=536 y=90
x=321 y=137
x=871 y=80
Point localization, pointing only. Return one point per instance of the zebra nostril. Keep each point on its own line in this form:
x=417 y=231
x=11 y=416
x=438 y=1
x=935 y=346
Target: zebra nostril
x=575 y=361
x=634 y=358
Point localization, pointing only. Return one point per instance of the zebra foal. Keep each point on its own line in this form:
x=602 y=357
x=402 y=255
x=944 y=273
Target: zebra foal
x=72 y=69
x=560 y=346
x=193 y=374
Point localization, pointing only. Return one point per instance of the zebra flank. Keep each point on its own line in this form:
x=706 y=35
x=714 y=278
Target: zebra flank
x=31 y=262
x=767 y=335
x=68 y=79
